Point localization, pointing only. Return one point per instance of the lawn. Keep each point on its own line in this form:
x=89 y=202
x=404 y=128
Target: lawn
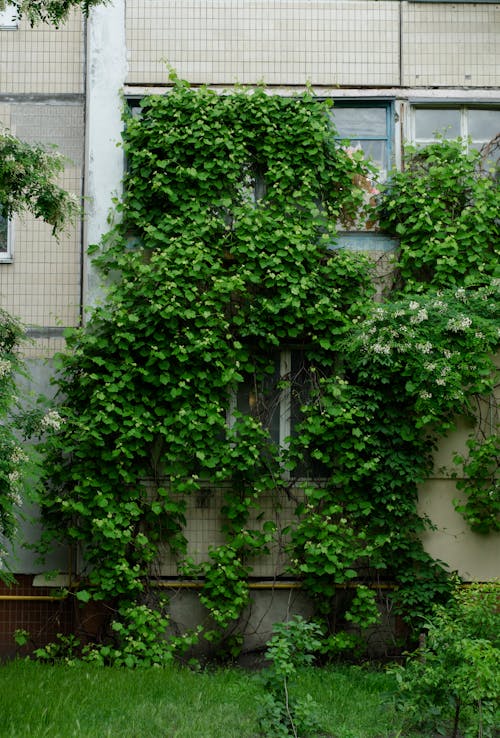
x=93 y=702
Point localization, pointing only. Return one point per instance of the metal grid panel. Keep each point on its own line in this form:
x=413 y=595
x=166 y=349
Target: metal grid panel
x=42 y=284
x=292 y=42
x=451 y=45
x=42 y=59
x=203 y=531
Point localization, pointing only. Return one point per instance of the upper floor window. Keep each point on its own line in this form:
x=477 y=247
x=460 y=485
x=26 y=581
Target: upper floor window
x=477 y=124
x=5 y=239
x=9 y=19
x=369 y=126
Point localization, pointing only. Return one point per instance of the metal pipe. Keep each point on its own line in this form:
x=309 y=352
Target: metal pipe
x=174 y=584
x=48 y=598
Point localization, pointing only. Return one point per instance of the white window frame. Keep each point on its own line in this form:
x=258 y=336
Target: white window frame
x=9 y=18
x=7 y=255
x=285 y=401
x=463 y=108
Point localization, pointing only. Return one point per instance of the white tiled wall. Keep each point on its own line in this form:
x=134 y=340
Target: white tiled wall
x=324 y=42
x=353 y=42
x=448 y=44
x=42 y=59
x=42 y=284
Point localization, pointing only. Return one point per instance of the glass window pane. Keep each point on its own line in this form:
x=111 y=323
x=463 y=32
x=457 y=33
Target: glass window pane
x=483 y=124
x=374 y=150
x=3 y=235
x=261 y=399
x=359 y=122
x=428 y=121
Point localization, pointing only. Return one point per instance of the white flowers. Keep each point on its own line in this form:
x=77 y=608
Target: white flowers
x=419 y=317
x=52 y=420
x=459 y=323
x=18 y=456
x=5 y=367
x=381 y=348
x=424 y=348
x=14 y=476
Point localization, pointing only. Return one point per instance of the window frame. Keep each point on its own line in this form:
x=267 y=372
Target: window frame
x=285 y=401
x=9 y=18
x=463 y=107
x=371 y=240
x=387 y=104
x=6 y=256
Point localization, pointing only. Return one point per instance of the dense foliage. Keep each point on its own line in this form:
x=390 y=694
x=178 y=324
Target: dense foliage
x=452 y=683
x=48 y=11
x=222 y=263
x=12 y=456
x=446 y=217
x=28 y=182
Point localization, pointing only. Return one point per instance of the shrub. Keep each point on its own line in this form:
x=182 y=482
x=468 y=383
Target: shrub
x=453 y=680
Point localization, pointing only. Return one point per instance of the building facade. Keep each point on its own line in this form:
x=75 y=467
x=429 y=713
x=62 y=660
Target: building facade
x=397 y=71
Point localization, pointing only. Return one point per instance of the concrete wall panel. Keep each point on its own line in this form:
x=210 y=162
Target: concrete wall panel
x=349 y=42
x=447 y=44
x=43 y=59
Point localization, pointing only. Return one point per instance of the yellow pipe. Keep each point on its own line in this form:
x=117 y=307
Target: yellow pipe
x=50 y=598
x=174 y=584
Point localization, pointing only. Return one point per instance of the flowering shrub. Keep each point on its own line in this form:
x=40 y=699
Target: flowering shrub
x=12 y=457
x=28 y=176
x=439 y=343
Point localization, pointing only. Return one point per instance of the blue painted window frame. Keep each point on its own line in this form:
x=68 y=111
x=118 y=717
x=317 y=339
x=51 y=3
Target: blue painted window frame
x=364 y=103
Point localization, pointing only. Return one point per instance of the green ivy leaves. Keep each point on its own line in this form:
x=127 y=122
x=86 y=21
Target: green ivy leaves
x=222 y=258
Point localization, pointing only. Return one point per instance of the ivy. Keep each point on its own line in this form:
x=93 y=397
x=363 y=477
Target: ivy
x=445 y=213
x=222 y=257
x=480 y=484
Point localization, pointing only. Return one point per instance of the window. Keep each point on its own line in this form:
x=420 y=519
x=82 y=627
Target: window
x=5 y=240
x=9 y=20
x=276 y=398
x=368 y=126
x=480 y=124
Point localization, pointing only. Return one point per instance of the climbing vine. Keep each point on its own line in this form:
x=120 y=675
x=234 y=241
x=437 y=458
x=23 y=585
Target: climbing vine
x=12 y=456
x=222 y=262
x=445 y=212
x=28 y=183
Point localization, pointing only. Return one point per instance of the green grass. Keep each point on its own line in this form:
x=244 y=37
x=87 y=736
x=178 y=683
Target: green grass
x=92 y=702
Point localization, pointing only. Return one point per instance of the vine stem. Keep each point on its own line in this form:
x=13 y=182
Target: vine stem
x=287 y=707
x=457 y=717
